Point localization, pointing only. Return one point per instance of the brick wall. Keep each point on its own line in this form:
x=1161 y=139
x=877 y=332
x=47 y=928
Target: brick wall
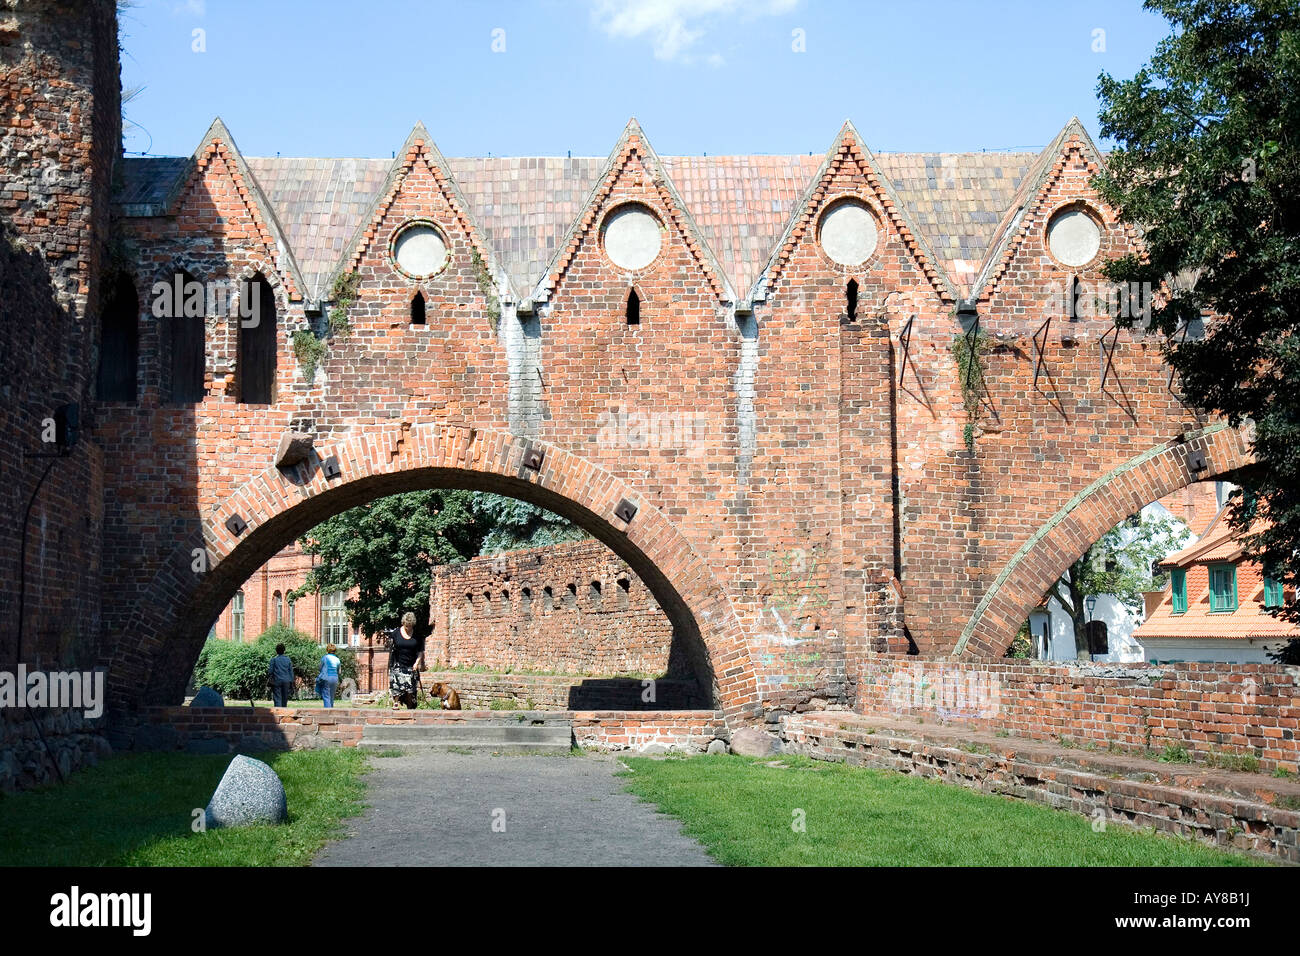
x=573 y=608
x=1208 y=709
x=179 y=728
x=547 y=692
x=59 y=137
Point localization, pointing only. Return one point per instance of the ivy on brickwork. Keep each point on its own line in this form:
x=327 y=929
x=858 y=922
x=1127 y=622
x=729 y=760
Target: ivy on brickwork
x=343 y=294
x=969 y=352
x=309 y=350
x=488 y=288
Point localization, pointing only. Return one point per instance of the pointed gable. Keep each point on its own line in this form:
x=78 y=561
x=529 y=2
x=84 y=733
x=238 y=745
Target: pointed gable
x=850 y=159
x=218 y=156
x=419 y=168
x=634 y=171
x=1058 y=176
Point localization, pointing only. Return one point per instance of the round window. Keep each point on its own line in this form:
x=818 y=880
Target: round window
x=1073 y=237
x=632 y=237
x=849 y=233
x=419 y=250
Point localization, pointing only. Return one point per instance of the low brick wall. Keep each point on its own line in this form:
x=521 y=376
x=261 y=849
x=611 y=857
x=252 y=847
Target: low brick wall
x=226 y=729
x=1209 y=709
x=1233 y=810
x=74 y=741
x=560 y=692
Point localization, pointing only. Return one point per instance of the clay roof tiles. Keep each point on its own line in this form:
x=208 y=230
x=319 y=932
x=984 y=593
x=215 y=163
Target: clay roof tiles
x=740 y=204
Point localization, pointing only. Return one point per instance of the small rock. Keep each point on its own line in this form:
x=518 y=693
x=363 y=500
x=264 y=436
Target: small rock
x=207 y=697
x=752 y=742
x=652 y=750
x=250 y=792
x=717 y=746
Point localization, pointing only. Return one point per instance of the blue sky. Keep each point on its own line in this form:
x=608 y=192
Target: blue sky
x=350 y=77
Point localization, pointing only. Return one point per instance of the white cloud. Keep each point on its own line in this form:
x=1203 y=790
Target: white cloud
x=675 y=26
x=194 y=8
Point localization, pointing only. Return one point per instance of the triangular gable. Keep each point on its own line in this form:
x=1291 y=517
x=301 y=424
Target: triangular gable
x=849 y=147
x=633 y=141
x=218 y=142
x=419 y=144
x=1025 y=209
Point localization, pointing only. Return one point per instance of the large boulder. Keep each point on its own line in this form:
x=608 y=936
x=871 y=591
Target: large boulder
x=207 y=697
x=249 y=793
x=752 y=742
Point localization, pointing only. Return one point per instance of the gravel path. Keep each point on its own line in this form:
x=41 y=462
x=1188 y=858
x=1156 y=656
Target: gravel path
x=440 y=809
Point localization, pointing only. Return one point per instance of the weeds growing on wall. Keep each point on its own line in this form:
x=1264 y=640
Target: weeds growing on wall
x=486 y=286
x=969 y=352
x=343 y=294
x=309 y=350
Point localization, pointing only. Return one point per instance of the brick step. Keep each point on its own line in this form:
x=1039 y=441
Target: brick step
x=490 y=735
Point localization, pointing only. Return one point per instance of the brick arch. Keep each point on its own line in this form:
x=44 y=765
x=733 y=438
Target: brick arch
x=1050 y=551
x=168 y=626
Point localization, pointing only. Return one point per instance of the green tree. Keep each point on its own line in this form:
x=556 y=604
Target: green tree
x=1121 y=564
x=516 y=524
x=1206 y=167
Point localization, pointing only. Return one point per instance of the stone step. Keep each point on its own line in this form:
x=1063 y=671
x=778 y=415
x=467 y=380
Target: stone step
x=551 y=737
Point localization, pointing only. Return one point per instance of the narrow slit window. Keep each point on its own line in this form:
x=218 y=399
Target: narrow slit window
x=851 y=299
x=417 y=309
x=119 y=348
x=633 y=308
x=258 y=343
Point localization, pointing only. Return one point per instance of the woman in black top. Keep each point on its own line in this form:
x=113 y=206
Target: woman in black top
x=404 y=651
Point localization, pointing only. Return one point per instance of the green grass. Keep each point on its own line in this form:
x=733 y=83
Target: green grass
x=742 y=811
x=137 y=809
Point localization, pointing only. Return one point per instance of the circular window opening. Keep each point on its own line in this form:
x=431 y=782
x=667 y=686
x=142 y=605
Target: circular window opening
x=849 y=233
x=1073 y=237
x=632 y=237
x=419 y=250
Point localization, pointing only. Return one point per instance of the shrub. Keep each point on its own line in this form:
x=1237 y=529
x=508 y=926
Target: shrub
x=237 y=671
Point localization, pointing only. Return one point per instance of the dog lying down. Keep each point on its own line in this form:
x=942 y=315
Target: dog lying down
x=447 y=694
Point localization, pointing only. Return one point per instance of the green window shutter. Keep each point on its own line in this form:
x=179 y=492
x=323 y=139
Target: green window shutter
x=1223 y=587
x=1178 y=579
x=1272 y=593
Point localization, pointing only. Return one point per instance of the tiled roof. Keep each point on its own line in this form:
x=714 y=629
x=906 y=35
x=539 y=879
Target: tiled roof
x=1248 y=622
x=1219 y=542
x=319 y=203
x=741 y=204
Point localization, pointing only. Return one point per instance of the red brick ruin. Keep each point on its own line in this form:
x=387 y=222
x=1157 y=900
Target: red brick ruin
x=744 y=375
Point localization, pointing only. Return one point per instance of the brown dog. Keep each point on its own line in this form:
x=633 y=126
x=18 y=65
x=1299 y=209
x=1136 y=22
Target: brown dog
x=447 y=694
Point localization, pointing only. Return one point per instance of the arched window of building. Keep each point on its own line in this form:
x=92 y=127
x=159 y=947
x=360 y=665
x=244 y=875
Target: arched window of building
x=187 y=344
x=237 y=617
x=593 y=593
x=278 y=598
x=851 y=299
x=258 y=342
x=633 y=308
x=292 y=606
x=119 y=341
x=417 y=309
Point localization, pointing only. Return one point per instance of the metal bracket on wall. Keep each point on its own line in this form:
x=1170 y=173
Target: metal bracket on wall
x=1108 y=354
x=1040 y=349
x=236 y=525
x=905 y=340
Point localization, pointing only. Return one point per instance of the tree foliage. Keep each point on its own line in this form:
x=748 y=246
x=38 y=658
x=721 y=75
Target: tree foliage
x=1121 y=563
x=1206 y=167
x=239 y=671
x=387 y=549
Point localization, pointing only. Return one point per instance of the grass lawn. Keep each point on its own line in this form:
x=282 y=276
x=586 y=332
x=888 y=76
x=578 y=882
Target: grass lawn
x=136 y=810
x=742 y=810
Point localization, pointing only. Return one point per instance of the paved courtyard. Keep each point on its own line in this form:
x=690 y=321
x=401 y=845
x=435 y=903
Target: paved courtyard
x=450 y=809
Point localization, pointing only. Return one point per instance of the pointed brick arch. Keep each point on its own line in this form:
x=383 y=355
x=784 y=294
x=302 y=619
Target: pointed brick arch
x=168 y=627
x=1058 y=543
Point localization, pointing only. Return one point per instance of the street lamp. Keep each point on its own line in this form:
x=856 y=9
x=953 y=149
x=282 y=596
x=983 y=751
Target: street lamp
x=1090 y=603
